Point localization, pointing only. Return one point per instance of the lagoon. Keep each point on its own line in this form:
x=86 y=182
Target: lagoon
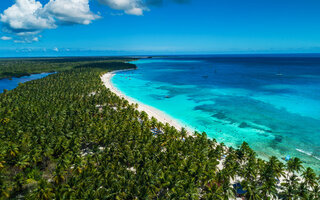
x=12 y=83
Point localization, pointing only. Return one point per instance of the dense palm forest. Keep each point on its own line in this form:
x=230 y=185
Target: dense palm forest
x=13 y=67
x=68 y=137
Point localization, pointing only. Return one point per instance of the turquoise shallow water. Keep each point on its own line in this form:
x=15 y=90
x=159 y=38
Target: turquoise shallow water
x=10 y=84
x=271 y=103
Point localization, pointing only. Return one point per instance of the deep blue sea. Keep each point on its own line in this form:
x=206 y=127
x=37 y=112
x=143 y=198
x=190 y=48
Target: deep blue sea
x=273 y=103
x=10 y=84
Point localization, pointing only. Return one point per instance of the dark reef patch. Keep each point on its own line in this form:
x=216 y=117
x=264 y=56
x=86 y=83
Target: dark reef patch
x=219 y=115
x=278 y=138
x=244 y=125
x=157 y=97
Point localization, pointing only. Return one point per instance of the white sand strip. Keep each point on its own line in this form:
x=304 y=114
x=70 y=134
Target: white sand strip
x=151 y=111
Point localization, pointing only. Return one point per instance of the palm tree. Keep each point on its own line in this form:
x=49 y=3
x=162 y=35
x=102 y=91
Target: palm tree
x=23 y=162
x=290 y=186
x=316 y=192
x=154 y=122
x=228 y=191
x=269 y=190
x=309 y=177
x=250 y=171
x=215 y=192
x=12 y=151
x=294 y=165
x=59 y=176
x=276 y=167
x=43 y=191
x=19 y=181
x=245 y=152
x=303 y=192
x=183 y=132
x=252 y=190
x=4 y=192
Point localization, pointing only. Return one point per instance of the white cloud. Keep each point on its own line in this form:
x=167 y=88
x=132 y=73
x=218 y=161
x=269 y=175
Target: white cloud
x=116 y=14
x=26 y=17
x=55 y=49
x=132 y=7
x=6 y=38
x=71 y=11
x=29 y=39
x=19 y=41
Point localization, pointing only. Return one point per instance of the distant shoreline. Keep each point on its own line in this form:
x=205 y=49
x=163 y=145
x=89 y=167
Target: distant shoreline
x=151 y=111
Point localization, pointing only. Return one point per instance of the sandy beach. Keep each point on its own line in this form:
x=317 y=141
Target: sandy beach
x=151 y=111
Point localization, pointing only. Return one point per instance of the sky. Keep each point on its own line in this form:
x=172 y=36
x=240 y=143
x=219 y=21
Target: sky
x=148 y=27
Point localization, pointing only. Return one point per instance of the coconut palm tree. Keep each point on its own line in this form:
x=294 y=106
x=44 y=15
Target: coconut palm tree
x=294 y=165
x=43 y=191
x=268 y=190
x=309 y=177
x=228 y=191
x=252 y=190
x=290 y=187
x=315 y=194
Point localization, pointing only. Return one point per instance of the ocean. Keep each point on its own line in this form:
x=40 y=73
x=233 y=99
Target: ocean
x=271 y=102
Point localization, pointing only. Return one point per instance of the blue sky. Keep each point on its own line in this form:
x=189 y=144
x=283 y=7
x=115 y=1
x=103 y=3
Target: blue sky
x=194 y=26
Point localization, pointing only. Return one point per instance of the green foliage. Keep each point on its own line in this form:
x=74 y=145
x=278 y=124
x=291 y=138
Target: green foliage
x=26 y=66
x=68 y=137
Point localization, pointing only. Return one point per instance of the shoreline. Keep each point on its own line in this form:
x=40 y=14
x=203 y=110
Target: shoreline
x=151 y=111
x=165 y=118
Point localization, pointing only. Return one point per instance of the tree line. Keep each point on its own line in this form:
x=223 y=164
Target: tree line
x=15 y=67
